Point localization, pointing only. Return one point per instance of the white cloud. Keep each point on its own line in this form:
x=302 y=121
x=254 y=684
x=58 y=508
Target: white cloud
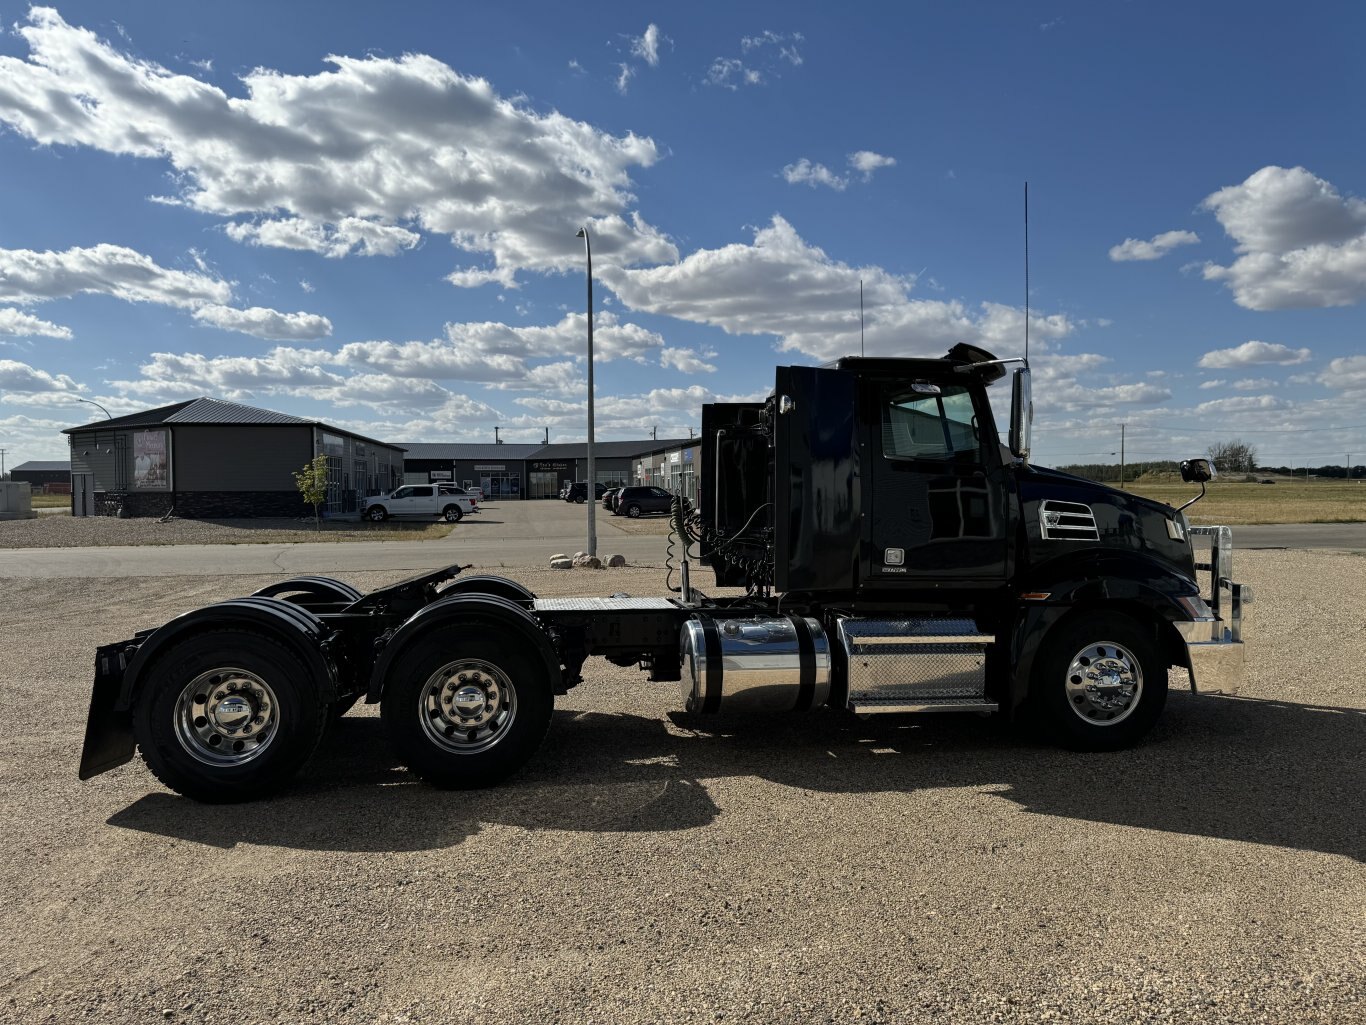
x=350 y=235
x=1252 y=384
x=866 y=162
x=494 y=352
x=264 y=323
x=1217 y=382
x=1155 y=248
x=29 y=276
x=1347 y=372
x=646 y=46
x=687 y=361
x=397 y=145
x=16 y=377
x=624 y=77
x=1252 y=353
x=1300 y=243
x=24 y=325
x=804 y=172
x=767 y=53
x=782 y=286
x=1241 y=404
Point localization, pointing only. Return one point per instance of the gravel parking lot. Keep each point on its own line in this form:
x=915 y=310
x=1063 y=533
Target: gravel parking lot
x=651 y=867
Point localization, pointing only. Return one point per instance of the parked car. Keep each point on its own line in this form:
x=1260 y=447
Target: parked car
x=578 y=493
x=473 y=494
x=637 y=501
x=476 y=492
x=421 y=501
x=607 y=497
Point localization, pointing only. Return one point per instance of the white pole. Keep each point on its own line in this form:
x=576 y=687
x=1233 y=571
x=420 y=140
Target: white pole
x=591 y=497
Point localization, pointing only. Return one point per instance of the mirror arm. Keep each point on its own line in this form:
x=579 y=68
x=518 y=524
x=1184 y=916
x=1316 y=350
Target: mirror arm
x=1183 y=508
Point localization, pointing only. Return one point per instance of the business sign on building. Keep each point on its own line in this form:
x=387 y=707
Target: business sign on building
x=489 y=467
x=674 y=457
x=439 y=475
x=151 y=465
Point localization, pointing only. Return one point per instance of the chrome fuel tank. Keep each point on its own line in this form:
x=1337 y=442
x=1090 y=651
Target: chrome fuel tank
x=760 y=664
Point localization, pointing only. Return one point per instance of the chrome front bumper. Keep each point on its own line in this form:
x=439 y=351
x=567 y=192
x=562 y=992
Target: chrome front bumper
x=1214 y=642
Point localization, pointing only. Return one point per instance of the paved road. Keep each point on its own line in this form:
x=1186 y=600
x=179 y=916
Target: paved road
x=511 y=534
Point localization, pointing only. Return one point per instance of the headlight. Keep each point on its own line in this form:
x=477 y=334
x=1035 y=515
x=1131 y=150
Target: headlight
x=1196 y=608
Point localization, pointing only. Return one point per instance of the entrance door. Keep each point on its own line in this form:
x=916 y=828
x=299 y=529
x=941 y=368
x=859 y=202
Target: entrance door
x=83 y=494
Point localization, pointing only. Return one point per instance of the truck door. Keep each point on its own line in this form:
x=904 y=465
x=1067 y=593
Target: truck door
x=423 y=501
x=937 y=489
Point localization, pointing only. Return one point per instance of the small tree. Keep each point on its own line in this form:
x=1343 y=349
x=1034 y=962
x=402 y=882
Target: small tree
x=312 y=484
x=1233 y=456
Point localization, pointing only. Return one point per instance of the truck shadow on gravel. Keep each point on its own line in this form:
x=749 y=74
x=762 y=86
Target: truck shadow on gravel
x=1237 y=769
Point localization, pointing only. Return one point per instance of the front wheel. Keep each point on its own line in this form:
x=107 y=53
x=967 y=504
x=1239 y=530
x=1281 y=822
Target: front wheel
x=633 y=511
x=1100 y=683
x=466 y=706
x=452 y=513
x=227 y=715
x=377 y=514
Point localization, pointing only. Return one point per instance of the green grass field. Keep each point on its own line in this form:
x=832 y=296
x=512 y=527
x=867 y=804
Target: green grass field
x=52 y=501
x=1286 y=501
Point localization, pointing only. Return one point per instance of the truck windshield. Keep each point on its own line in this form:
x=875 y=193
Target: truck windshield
x=920 y=426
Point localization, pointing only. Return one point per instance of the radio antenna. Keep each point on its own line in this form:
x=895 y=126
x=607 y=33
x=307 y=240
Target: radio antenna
x=860 y=316
x=1026 y=212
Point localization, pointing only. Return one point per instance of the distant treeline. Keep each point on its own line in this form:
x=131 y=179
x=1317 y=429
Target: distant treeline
x=1132 y=471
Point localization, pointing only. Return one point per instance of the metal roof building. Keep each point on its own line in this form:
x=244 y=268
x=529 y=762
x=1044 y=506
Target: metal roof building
x=210 y=458
x=513 y=471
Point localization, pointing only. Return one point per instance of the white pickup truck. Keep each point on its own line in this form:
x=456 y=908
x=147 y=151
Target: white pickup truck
x=421 y=500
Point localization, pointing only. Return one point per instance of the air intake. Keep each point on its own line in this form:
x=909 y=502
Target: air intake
x=1067 y=521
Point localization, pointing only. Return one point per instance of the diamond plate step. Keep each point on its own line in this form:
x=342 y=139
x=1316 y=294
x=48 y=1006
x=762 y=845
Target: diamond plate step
x=865 y=706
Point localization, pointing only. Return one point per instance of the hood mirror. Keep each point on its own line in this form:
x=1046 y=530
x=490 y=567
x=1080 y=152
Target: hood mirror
x=1198 y=471
x=1021 y=414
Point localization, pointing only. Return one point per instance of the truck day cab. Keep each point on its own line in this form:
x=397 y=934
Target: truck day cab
x=895 y=558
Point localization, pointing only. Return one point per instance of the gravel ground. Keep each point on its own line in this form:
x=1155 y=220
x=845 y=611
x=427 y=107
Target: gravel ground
x=86 y=531
x=651 y=867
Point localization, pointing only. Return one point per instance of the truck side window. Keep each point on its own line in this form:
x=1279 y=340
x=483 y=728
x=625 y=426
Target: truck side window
x=916 y=425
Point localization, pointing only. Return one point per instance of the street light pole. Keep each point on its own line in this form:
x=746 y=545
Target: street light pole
x=591 y=497
x=96 y=404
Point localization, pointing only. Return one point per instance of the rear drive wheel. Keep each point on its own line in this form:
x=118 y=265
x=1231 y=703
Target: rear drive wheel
x=377 y=513
x=633 y=511
x=1100 y=683
x=227 y=715
x=466 y=706
x=452 y=513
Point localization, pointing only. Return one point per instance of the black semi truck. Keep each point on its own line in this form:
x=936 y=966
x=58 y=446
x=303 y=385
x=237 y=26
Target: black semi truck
x=894 y=557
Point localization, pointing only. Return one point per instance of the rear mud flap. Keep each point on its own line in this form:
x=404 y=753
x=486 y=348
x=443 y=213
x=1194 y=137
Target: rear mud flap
x=108 y=732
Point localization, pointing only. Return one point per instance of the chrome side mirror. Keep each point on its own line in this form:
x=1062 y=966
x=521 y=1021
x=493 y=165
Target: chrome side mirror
x=1021 y=414
x=1198 y=471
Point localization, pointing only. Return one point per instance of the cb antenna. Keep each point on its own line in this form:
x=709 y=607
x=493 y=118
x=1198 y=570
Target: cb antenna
x=860 y=316
x=1026 y=212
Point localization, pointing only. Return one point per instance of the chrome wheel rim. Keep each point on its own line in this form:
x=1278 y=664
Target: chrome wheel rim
x=226 y=717
x=467 y=706
x=1104 y=683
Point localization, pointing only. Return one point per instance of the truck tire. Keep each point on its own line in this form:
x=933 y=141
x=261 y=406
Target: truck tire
x=451 y=514
x=377 y=514
x=466 y=706
x=227 y=715
x=1099 y=682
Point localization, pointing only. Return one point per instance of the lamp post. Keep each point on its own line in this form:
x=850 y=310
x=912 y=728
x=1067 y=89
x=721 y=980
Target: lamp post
x=591 y=497
x=96 y=404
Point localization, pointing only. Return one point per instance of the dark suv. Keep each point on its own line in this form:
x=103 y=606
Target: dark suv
x=648 y=499
x=579 y=492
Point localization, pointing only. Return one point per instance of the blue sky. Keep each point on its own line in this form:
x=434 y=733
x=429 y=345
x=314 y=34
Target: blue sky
x=367 y=212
